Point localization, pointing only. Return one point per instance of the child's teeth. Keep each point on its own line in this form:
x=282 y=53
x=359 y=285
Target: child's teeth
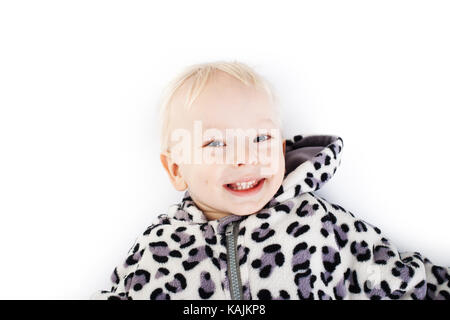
x=243 y=185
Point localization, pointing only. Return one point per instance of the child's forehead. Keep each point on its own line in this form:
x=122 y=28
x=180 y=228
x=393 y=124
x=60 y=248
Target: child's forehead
x=224 y=103
x=259 y=117
x=232 y=109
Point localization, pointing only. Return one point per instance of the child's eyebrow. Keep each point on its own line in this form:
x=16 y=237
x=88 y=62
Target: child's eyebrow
x=212 y=137
x=265 y=120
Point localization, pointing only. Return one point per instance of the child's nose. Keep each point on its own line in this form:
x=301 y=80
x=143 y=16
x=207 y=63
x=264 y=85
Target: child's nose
x=247 y=158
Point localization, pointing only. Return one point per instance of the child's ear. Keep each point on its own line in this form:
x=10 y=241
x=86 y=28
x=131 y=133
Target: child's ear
x=173 y=171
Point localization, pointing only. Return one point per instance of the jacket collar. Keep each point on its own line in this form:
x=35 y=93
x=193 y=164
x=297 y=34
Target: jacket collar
x=310 y=161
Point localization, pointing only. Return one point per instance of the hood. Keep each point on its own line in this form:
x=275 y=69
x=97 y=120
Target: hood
x=310 y=161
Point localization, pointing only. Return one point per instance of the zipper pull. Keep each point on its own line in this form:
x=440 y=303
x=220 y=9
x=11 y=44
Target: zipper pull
x=229 y=229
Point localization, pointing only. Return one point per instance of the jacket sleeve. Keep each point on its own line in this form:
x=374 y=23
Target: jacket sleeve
x=386 y=273
x=120 y=279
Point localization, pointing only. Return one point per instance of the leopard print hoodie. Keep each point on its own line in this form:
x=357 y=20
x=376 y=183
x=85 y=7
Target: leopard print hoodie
x=298 y=246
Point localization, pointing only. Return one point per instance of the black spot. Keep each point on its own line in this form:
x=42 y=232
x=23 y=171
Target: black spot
x=279 y=191
x=354 y=286
x=264 y=294
x=175 y=237
x=272 y=248
x=284 y=294
x=157 y=292
x=279 y=259
x=215 y=261
x=189 y=265
x=262 y=215
x=360 y=226
x=341 y=242
x=131 y=260
x=204 y=294
x=182 y=280
x=164 y=271
x=297 y=190
x=175 y=253
x=326 y=278
x=187 y=244
x=282 y=207
x=161 y=259
x=256 y=263
x=395 y=272
x=301 y=230
x=291 y=227
x=256 y=236
x=212 y=240
x=208 y=251
x=265 y=271
x=300 y=246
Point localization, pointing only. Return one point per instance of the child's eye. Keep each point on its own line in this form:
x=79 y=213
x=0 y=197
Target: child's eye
x=211 y=144
x=263 y=135
x=215 y=143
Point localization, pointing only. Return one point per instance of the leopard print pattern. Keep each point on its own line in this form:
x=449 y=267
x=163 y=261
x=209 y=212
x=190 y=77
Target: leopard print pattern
x=299 y=246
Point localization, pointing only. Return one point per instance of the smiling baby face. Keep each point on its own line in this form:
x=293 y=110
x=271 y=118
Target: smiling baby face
x=229 y=150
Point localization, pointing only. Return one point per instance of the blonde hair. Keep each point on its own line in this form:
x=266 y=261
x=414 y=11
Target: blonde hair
x=200 y=74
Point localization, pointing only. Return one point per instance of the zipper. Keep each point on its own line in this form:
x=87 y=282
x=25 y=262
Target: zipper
x=234 y=276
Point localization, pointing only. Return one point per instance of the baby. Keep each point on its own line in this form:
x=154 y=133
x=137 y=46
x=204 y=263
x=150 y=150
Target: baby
x=249 y=225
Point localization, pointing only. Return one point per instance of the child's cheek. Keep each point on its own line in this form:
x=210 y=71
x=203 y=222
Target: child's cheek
x=205 y=181
x=211 y=156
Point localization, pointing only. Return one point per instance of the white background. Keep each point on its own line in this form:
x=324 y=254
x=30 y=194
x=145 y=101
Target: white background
x=80 y=175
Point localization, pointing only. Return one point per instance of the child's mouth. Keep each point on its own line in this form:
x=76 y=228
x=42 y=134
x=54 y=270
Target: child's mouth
x=245 y=189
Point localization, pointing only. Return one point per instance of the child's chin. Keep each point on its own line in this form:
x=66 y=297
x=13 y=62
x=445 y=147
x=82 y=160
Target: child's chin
x=247 y=210
x=243 y=214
